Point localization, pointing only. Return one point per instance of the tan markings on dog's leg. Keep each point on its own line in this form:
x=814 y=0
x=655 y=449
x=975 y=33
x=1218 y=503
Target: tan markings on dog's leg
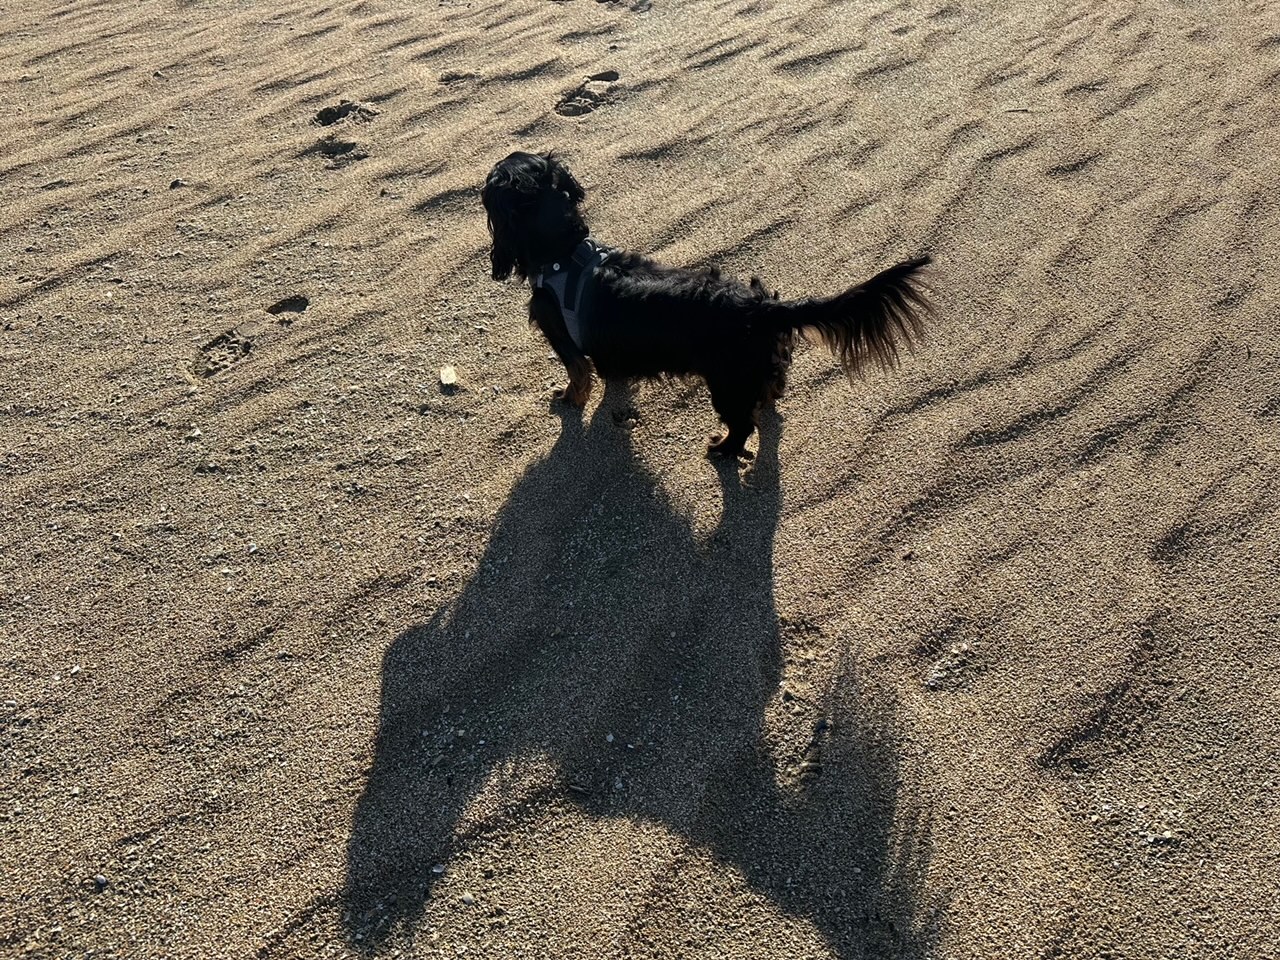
x=578 y=392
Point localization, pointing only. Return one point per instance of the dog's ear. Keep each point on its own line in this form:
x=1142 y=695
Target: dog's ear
x=564 y=181
x=496 y=198
x=501 y=257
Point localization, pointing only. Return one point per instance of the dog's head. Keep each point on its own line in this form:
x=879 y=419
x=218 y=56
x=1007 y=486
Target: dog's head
x=532 y=202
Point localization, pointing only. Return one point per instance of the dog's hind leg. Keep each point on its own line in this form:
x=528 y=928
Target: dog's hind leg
x=780 y=364
x=736 y=403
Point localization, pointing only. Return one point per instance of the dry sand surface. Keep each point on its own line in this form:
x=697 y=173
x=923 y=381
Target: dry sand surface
x=303 y=655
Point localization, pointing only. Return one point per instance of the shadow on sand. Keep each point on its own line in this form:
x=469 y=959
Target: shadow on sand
x=596 y=609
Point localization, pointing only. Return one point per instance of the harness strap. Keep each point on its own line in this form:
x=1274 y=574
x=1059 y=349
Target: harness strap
x=570 y=283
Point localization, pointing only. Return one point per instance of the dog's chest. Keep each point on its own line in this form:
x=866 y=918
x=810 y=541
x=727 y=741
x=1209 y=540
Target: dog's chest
x=573 y=284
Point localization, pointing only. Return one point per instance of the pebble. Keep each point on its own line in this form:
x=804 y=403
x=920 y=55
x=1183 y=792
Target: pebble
x=468 y=899
x=100 y=882
x=608 y=738
x=438 y=869
x=448 y=376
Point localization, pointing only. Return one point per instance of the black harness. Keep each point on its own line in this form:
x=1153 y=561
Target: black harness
x=572 y=282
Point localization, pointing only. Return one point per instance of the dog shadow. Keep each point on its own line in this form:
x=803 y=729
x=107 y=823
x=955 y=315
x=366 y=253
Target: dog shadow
x=602 y=640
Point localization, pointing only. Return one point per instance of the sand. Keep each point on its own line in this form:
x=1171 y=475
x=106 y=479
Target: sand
x=304 y=655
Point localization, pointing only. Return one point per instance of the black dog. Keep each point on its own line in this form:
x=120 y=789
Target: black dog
x=636 y=318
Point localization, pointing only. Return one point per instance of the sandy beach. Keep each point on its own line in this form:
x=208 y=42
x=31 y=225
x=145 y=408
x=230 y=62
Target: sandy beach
x=303 y=654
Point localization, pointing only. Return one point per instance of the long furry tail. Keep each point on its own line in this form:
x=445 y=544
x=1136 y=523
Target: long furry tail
x=872 y=320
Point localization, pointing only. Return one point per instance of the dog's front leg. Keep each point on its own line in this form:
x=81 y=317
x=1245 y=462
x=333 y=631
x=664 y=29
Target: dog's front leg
x=545 y=313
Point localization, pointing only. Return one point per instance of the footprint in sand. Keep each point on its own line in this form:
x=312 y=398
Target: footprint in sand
x=339 y=153
x=284 y=309
x=345 y=110
x=596 y=90
x=229 y=348
x=224 y=351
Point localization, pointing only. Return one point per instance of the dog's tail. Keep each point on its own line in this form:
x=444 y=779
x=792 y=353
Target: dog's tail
x=871 y=320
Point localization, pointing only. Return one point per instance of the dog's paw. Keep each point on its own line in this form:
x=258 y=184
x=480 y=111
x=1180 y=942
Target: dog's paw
x=570 y=397
x=719 y=446
x=628 y=418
